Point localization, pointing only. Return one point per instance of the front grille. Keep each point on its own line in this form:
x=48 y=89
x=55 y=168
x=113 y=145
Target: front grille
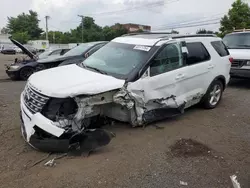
x=34 y=100
x=238 y=63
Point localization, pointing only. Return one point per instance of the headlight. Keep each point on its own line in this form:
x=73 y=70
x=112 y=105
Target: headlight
x=248 y=63
x=14 y=67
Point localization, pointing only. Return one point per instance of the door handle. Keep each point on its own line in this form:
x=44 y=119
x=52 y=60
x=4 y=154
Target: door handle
x=180 y=76
x=210 y=66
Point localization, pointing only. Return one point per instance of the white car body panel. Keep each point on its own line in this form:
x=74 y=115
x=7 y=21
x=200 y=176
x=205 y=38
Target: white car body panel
x=79 y=80
x=240 y=54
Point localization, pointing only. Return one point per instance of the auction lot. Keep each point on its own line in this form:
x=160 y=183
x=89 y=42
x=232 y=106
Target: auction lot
x=137 y=157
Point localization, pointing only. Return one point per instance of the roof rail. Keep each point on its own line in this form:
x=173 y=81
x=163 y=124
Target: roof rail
x=194 y=35
x=171 y=35
x=146 y=33
x=241 y=30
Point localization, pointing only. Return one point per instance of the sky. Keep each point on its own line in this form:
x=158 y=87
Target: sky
x=160 y=14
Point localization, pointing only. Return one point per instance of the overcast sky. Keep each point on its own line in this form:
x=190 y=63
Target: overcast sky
x=160 y=14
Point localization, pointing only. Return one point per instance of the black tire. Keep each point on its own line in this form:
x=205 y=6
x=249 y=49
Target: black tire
x=26 y=72
x=215 y=90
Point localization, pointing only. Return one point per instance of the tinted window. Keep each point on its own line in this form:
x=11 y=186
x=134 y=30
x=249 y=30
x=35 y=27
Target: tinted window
x=220 y=48
x=237 y=40
x=196 y=53
x=56 y=52
x=168 y=59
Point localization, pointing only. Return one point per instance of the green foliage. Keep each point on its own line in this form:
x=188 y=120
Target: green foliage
x=91 y=32
x=25 y=23
x=204 y=31
x=238 y=17
x=4 y=30
x=21 y=37
x=174 y=32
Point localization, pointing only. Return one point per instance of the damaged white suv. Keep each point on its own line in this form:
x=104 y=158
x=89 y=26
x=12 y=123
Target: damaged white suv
x=136 y=78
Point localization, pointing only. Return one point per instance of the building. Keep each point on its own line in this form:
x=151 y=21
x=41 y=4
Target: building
x=135 y=27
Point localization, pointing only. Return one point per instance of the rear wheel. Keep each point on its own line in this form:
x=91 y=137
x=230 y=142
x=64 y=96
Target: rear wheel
x=26 y=72
x=213 y=95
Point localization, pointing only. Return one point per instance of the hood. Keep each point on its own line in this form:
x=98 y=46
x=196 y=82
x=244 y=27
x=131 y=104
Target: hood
x=53 y=58
x=72 y=80
x=24 y=49
x=243 y=54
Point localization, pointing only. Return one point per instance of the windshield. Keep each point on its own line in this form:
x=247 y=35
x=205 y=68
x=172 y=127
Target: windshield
x=238 y=41
x=44 y=54
x=78 y=50
x=117 y=58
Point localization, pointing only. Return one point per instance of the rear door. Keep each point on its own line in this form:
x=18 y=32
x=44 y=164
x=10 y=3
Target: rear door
x=198 y=72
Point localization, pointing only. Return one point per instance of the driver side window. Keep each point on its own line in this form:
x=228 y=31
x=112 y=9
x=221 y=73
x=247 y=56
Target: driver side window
x=170 y=58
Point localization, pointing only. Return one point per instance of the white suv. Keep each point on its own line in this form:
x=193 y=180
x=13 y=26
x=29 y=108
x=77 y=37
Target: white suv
x=136 y=78
x=238 y=44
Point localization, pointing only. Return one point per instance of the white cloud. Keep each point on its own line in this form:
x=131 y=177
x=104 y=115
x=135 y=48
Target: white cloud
x=64 y=13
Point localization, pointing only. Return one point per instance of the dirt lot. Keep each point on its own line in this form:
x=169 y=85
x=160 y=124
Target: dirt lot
x=137 y=157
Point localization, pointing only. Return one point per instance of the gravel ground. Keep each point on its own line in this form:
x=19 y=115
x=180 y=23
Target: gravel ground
x=137 y=157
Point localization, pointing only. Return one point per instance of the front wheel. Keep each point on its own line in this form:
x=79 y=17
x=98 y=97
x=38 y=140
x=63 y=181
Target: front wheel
x=26 y=72
x=213 y=95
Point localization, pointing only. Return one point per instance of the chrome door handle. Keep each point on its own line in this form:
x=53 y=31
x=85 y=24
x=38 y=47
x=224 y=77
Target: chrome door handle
x=210 y=66
x=180 y=76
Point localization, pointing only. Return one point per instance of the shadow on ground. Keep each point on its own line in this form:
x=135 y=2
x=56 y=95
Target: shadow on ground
x=240 y=83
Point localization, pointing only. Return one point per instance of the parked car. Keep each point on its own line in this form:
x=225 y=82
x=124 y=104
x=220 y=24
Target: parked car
x=23 y=68
x=54 y=53
x=137 y=78
x=9 y=50
x=238 y=44
x=73 y=56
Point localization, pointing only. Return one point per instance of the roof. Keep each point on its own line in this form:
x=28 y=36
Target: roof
x=150 y=38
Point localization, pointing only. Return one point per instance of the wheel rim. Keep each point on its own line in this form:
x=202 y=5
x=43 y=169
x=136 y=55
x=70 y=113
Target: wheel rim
x=215 y=95
x=26 y=73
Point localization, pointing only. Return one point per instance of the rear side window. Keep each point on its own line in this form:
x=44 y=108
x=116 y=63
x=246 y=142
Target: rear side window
x=220 y=48
x=196 y=53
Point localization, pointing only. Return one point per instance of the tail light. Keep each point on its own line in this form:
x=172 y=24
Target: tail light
x=231 y=59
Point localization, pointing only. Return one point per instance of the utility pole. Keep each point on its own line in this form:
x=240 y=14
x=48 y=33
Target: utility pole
x=46 y=20
x=82 y=25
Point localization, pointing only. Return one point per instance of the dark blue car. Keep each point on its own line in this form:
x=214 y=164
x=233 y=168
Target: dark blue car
x=22 y=69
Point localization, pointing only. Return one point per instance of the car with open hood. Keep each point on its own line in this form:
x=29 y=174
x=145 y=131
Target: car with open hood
x=136 y=78
x=74 y=56
x=21 y=69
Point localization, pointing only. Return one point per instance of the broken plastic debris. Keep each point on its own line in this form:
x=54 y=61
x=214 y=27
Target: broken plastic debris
x=183 y=183
x=236 y=184
x=50 y=163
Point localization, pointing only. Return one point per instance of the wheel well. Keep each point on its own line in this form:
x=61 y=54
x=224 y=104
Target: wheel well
x=222 y=79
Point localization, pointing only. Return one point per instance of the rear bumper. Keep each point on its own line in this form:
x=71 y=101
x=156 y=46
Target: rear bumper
x=239 y=73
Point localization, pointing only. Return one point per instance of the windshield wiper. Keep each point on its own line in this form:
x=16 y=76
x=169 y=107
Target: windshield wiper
x=96 y=69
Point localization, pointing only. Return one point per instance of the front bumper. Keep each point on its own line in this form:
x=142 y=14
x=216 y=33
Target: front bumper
x=32 y=125
x=240 y=73
x=13 y=74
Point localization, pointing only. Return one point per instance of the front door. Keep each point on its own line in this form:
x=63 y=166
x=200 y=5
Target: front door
x=160 y=94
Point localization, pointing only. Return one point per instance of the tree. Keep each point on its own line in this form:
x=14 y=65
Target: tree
x=25 y=23
x=21 y=37
x=4 y=30
x=174 y=32
x=238 y=17
x=204 y=31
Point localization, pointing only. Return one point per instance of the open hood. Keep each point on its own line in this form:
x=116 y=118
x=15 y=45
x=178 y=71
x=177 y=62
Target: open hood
x=25 y=50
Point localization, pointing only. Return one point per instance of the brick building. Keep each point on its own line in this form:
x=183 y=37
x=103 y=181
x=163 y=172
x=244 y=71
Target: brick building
x=135 y=27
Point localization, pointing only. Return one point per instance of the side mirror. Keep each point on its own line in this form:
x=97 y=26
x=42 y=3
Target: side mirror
x=86 y=55
x=145 y=74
